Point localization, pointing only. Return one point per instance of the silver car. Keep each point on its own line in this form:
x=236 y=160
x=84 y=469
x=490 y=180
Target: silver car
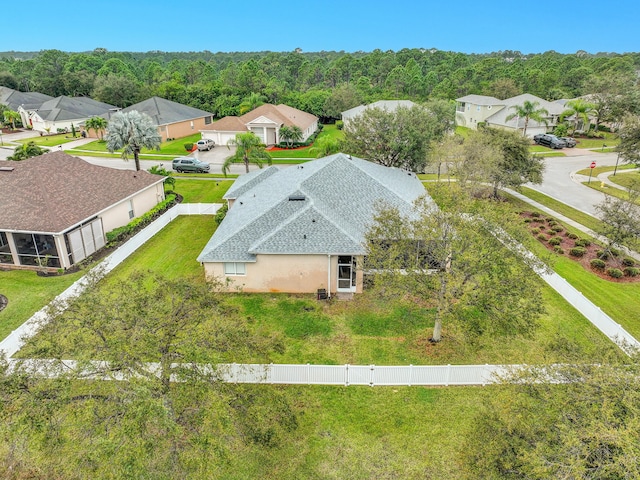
x=205 y=144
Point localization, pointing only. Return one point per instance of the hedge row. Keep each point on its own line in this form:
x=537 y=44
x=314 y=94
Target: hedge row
x=123 y=232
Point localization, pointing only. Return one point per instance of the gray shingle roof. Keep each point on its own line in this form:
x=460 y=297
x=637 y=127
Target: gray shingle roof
x=72 y=108
x=27 y=100
x=340 y=195
x=165 y=112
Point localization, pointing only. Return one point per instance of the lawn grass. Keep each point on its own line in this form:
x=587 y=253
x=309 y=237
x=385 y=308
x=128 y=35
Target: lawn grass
x=598 y=170
x=50 y=140
x=202 y=191
x=604 y=188
x=609 y=140
x=27 y=293
x=626 y=179
x=205 y=175
x=305 y=153
x=173 y=148
x=562 y=208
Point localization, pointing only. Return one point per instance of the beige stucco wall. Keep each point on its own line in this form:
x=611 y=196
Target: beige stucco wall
x=182 y=129
x=476 y=113
x=283 y=273
x=118 y=215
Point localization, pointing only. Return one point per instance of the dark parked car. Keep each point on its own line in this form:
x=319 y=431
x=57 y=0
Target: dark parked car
x=548 y=140
x=188 y=164
x=569 y=141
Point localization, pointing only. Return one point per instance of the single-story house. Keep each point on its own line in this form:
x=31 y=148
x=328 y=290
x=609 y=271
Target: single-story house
x=388 y=105
x=265 y=121
x=15 y=99
x=302 y=228
x=65 y=113
x=474 y=109
x=174 y=120
x=57 y=209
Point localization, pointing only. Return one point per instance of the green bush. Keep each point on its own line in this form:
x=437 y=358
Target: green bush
x=578 y=251
x=615 y=252
x=551 y=222
x=527 y=220
x=598 y=264
x=555 y=241
x=583 y=242
x=188 y=147
x=561 y=130
x=535 y=231
x=628 y=262
x=542 y=237
x=572 y=236
x=339 y=124
x=614 y=272
x=557 y=228
x=121 y=233
x=558 y=249
x=221 y=213
x=535 y=214
x=631 y=271
x=602 y=254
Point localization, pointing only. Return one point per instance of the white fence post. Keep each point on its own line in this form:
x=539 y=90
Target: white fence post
x=371 y=379
x=346 y=375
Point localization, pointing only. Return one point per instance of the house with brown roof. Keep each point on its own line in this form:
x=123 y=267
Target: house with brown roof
x=60 y=208
x=264 y=121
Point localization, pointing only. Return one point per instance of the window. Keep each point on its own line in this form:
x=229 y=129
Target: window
x=234 y=268
x=131 y=214
x=207 y=120
x=5 y=251
x=460 y=107
x=478 y=108
x=36 y=249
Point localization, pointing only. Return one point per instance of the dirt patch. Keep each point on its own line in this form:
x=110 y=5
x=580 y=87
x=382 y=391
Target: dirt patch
x=555 y=237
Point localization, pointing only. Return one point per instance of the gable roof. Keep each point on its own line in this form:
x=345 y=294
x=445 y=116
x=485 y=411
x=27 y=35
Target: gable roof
x=55 y=191
x=164 y=111
x=27 y=100
x=280 y=114
x=389 y=105
x=480 y=100
x=500 y=117
x=72 y=108
x=321 y=207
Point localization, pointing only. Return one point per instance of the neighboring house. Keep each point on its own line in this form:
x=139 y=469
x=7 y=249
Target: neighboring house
x=388 y=105
x=65 y=113
x=27 y=100
x=474 y=109
x=265 y=121
x=60 y=208
x=174 y=120
x=302 y=228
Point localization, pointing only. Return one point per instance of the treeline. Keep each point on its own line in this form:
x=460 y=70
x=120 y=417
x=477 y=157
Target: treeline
x=323 y=83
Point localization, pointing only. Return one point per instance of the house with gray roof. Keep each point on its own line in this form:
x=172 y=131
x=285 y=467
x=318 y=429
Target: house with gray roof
x=174 y=119
x=302 y=228
x=15 y=99
x=64 y=113
x=265 y=122
x=474 y=109
x=388 y=105
x=60 y=208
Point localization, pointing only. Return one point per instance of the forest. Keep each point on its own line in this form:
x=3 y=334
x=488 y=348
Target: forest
x=322 y=83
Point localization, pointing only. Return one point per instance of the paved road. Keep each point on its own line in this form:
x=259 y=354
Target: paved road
x=562 y=183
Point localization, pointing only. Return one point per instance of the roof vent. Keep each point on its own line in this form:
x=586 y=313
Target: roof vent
x=297 y=198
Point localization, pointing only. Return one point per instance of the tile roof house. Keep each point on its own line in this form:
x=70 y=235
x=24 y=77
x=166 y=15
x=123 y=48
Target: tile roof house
x=64 y=113
x=265 y=121
x=174 y=120
x=474 y=109
x=388 y=105
x=60 y=208
x=302 y=228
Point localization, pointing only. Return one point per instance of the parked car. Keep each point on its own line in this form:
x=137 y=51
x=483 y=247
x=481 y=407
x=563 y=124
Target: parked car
x=188 y=164
x=205 y=144
x=548 y=140
x=571 y=142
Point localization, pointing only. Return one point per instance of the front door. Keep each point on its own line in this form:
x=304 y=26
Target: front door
x=346 y=273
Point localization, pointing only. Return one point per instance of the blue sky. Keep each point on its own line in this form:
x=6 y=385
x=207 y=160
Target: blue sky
x=249 y=25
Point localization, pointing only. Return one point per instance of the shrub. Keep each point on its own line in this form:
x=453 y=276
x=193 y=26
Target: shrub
x=542 y=237
x=555 y=241
x=578 y=251
x=614 y=272
x=615 y=252
x=557 y=228
x=602 y=254
x=535 y=231
x=598 y=264
x=535 y=214
x=121 y=233
x=551 y=222
x=572 y=236
x=527 y=220
x=583 y=242
x=631 y=271
x=558 y=249
x=628 y=262
x=221 y=213
x=188 y=147
x=339 y=124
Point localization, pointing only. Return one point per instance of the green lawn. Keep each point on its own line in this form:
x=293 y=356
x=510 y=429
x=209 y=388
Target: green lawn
x=305 y=153
x=626 y=179
x=50 y=140
x=598 y=170
x=27 y=293
x=609 y=140
x=202 y=191
x=173 y=148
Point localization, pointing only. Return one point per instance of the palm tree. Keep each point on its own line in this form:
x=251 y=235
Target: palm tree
x=290 y=134
x=529 y=111
x=249 y=150
x=580 y=110
x=132 y=131
x=11 y=116
x=27 y=150
x=253 y=101
x=97 y=124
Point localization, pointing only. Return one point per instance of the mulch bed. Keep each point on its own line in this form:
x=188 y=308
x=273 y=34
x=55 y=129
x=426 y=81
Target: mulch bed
x=277 y=149
x=541 y=228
